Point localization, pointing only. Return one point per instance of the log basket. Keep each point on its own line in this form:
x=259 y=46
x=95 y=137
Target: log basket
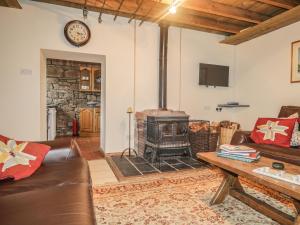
x=204 y=140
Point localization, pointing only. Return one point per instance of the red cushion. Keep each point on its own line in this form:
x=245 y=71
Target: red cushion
x=274 y=131
x=4 y=139
x=31 y=156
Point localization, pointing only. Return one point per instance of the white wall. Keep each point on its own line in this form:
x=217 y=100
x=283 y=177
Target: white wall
x=186 y=51
x=263 y=75
x=40 y=26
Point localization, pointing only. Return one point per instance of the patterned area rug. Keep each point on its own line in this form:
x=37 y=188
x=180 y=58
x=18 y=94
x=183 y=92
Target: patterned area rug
x=182 y=199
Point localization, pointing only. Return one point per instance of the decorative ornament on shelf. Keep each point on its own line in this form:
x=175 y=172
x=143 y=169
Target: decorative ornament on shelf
x=77 y=33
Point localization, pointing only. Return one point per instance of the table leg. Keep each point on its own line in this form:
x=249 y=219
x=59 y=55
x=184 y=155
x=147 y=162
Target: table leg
x=228 y=182
x=297 y=206
x=297 y=221
x=237 y=185
x=231 y=185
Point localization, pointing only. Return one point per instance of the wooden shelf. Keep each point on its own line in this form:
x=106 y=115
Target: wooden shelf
x=90 y=77
x=232 y=106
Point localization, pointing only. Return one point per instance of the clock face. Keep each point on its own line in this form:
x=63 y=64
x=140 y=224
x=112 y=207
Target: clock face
x=77 y=33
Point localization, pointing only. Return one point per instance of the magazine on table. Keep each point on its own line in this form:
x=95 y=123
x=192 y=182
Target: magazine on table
x=239 y=152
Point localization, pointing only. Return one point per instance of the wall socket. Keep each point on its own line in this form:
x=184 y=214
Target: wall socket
x=219 y=109
x=25 y=72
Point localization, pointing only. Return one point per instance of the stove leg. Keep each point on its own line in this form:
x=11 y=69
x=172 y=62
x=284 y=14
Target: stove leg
x=154 y=155
x=190 y=152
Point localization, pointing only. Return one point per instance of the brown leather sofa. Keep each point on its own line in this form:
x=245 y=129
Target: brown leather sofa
x=59 y=192
x=290 y=155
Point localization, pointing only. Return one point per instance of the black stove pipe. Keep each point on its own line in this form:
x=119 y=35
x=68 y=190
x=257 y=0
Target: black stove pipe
x=163 y=56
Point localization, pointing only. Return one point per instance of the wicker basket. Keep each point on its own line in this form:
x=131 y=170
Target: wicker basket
x=203 y=141
x=226 y=135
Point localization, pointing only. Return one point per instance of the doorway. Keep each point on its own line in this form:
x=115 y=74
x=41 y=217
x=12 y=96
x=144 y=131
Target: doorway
x=73 y=95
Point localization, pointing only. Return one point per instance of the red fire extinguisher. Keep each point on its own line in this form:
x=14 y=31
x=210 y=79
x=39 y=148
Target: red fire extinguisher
x=75 y=126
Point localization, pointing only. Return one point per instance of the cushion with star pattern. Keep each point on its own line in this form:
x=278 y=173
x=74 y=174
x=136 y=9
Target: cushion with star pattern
x=295 y=140
x=276 y=131
x=4 y=138
x=19 y=160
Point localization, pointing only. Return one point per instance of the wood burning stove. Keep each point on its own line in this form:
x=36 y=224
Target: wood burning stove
x=166 y=137
x=162 y=132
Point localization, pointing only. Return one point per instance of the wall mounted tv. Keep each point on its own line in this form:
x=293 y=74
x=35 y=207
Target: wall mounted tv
x=213 y=75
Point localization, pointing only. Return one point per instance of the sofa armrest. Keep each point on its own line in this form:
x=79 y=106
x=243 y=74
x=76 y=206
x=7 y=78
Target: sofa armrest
x=64 y=149
x=58 y=143
x=241 y=137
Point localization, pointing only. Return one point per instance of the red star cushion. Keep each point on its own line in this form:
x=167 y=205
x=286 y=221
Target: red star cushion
x=274 y=131
x=19 y=160
x=4 y=138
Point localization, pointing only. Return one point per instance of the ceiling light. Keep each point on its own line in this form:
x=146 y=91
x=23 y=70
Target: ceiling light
x=173 y=7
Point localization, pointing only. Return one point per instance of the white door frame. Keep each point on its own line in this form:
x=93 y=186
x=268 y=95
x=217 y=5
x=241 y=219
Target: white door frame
x=73 y=56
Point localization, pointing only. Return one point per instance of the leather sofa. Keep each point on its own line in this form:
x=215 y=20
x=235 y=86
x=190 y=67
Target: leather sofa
x=59 y=192
x=290 y=155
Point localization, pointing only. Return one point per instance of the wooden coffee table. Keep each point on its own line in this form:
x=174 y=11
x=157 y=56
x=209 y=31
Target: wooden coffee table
x=232 y=169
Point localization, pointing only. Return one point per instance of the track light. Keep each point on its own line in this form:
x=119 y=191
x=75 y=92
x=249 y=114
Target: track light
x=85 y=12
x=100 y=18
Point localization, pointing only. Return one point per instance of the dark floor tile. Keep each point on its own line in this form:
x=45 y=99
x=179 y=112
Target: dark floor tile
x=181 y=166
x=125 y=166
x=172 y=161
x=198 y=165
x=143 y=167
x=191 y=162
x=150 y=172
x=165 y=168
x=137 y=160
x=188 y=160
x=134 y=166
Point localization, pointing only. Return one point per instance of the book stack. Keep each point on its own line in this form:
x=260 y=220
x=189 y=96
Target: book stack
x=239 y=152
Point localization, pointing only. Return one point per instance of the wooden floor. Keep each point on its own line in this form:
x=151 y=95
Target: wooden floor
x=89 y=147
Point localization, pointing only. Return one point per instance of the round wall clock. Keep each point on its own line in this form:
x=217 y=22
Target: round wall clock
x=77 y=33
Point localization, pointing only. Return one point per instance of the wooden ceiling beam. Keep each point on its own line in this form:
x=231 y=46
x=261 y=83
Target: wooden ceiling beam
x=179 y=19
x=285 y=4
x=193 y=21
x=276 y=22
x=118 y=10
x=182 y=17
x=10 y=4
x=137 y=9
x=219 y=9
x=148 y=12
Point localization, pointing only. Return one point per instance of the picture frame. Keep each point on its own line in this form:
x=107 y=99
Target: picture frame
x=295 y=62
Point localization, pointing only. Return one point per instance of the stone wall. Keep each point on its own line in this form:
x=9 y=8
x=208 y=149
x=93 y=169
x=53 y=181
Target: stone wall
x=63 y=92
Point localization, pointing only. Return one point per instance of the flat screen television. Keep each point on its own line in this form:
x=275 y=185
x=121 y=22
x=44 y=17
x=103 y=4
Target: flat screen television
x=213 y=75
